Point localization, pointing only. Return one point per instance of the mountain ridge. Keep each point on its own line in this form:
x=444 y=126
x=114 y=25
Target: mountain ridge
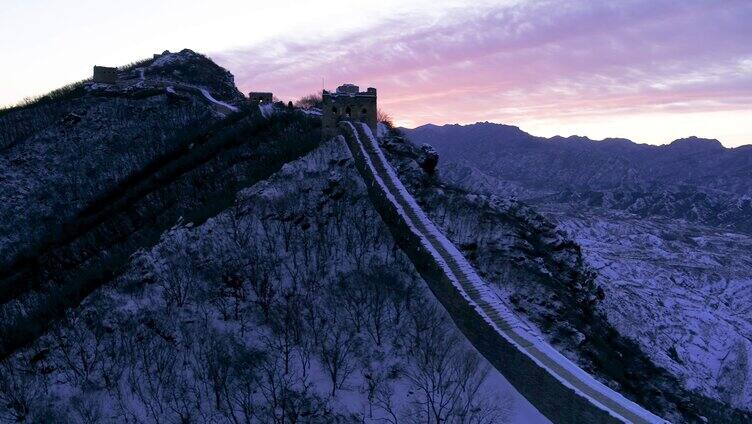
x=690 y=139
x=716 y=177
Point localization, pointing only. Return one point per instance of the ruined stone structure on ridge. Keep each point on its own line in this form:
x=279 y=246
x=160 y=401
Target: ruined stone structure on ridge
x=258 y=97
x=348 y=102
x=105 y=75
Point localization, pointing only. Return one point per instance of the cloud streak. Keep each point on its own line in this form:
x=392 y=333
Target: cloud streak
x=528 y=62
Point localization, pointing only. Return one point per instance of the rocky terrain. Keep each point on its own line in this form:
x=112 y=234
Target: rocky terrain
x=666 y=229
x=682 y=291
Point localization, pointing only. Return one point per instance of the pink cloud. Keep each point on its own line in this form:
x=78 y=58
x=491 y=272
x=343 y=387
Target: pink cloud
x=543 y=58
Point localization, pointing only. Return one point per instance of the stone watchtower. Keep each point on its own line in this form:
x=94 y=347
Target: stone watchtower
x=105 y=75
x=347 y=103
x=259 y=97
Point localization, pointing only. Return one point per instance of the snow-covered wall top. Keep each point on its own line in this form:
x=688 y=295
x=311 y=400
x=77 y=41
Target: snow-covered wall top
x=557 y=387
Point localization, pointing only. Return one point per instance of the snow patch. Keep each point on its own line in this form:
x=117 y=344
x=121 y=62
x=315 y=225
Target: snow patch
x=217 y=102
x=266 y=109
x=167 y=59
x=311 y=111
x=381 y=130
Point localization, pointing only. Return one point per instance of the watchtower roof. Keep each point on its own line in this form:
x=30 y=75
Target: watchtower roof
x=351 y=90
x=348 y=89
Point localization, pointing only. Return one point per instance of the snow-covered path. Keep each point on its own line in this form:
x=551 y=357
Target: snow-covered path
x=221 y=106
x=476 y=293
x=225 y=107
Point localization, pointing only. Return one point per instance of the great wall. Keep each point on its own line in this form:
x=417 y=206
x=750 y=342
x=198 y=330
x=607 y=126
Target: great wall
x=559 y=389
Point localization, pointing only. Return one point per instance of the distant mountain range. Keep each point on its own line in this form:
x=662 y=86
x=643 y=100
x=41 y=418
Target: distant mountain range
x=667 y=228
x=691 y=178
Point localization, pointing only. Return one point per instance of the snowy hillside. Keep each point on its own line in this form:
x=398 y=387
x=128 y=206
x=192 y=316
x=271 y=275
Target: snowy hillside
x=293 y=303
x=59 y=154
x=684 y=292
x=89 y=202
x=675 y=273
x=693 y=179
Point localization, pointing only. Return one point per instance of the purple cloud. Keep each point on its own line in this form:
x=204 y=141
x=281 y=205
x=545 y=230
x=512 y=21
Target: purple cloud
x=542 y=58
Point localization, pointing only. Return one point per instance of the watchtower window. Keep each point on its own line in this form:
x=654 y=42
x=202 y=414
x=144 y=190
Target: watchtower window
x=334 y=109
x=348 y=112
x=363 y=111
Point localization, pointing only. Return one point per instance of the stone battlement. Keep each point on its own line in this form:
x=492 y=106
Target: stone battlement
x=105 y=75
x=259 y=97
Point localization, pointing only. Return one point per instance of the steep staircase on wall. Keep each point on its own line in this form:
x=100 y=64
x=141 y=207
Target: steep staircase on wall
x=559 y=389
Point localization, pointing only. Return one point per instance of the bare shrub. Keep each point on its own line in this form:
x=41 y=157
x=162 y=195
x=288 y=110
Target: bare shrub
x=384 y=118
x=310 y=100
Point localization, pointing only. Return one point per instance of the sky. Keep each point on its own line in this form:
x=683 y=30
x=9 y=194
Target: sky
x=649 y=70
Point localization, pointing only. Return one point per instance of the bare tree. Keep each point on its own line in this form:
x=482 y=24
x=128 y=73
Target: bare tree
x=310 y=100
x=378 y=285
x=18 y=393
x=352 y=293
x=383 y=399
x=287 y=327
x=152 y=374
x=447 y=377
x=384 y=118
x=246 y=383
x=179 y=280
x=337 y=343
x=290 y=397
x=86 y=409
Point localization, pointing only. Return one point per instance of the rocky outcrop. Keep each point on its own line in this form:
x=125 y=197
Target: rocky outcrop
x=429 y=158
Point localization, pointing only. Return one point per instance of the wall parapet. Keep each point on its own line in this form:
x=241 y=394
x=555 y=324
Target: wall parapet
x=557 y=388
